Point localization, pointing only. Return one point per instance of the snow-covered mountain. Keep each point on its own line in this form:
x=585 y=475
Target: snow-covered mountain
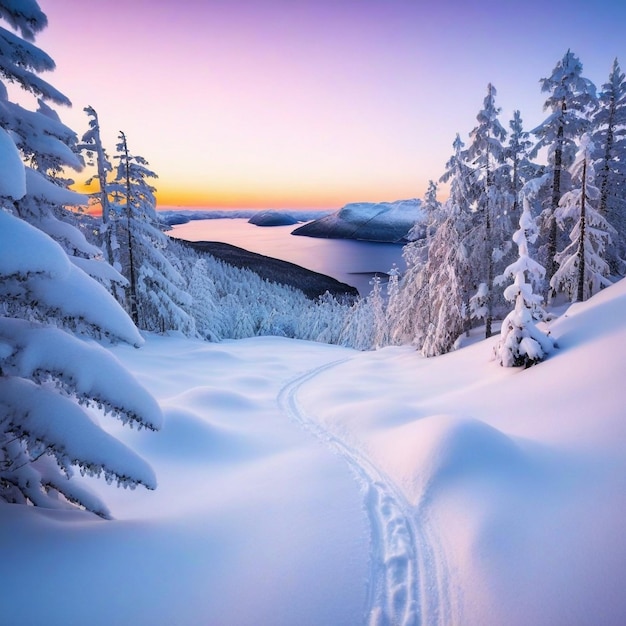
x=302 y=483
x=367 y=221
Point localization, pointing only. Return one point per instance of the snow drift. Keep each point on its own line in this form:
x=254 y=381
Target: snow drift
x=302 y=483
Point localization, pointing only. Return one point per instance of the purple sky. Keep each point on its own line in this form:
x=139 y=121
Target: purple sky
x=311 y=103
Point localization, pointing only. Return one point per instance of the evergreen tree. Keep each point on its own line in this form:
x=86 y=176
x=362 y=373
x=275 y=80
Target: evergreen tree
x=582 y=269
x=49 y=377
x=570 y=99
x=409 y=289
x=490 y=203
x=609 y=137
x=443 y=315
x=521 y=168
x=92 y=144
x=437 y=283
x=521 y=342
x=376 y=302
x=157 y=293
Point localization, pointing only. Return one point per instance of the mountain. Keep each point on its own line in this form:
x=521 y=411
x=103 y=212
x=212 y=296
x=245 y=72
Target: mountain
x=367 y=221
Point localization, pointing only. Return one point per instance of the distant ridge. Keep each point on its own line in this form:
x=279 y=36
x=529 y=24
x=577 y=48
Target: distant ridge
x=312 y=284
x=384 y=222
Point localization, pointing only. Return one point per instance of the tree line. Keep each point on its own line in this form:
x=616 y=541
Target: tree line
x=570 y=205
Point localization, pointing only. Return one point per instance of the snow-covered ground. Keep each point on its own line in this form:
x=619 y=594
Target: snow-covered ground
x=306 y=484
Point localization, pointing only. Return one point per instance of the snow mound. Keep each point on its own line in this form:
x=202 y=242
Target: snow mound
x=388 y=222
x=454 y=450
x=190 y=439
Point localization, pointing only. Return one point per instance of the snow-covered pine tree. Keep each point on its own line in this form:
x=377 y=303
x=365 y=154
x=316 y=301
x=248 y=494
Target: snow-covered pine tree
x=406 y=290
x=394 y=303
x=609 y=138
x=571 y=97
x=358 y=330
x=582 y=268
x=92 y=145
x=209 y=318
x=377 y=304
x=436 y=286
x=51 y=380
x=521 y=342
x=410 y=288
x=491 y=201
x=157 y=293
x=521 y=168
x=444 y=315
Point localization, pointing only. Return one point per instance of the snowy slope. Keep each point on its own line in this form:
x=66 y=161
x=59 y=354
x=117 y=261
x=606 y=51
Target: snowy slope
x=517 y=478
x=308 y=484
x=367 y=221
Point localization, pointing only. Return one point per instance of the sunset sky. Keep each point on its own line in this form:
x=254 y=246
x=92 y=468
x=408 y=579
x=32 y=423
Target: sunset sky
x=311 y=103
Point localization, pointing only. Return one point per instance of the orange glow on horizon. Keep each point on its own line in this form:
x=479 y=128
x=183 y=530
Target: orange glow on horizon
x=302 y=197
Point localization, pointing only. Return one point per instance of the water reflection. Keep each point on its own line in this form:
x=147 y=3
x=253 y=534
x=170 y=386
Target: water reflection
x=351 y=262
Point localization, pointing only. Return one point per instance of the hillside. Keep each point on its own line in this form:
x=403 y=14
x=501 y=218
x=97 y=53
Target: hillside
x=312 y=284
x=302 y=483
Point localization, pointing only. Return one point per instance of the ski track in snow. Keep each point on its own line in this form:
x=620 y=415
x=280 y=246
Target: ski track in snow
x=407 y=580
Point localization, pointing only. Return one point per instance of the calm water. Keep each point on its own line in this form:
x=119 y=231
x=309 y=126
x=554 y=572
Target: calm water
x=351 y=262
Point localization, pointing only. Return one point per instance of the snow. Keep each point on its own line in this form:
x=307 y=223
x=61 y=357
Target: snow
x=60 y=230
x=91 y=370
x=18 y=239
x=301 y=483
x=12 y=184
x=367 y=221
x=38 y=186
x=59 y=422
x=30 y=259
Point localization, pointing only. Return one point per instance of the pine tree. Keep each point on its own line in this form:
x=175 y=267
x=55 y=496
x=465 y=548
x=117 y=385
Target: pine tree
x=437 y=283
x=582 y=269
x=609 y=137
x=444 y=313
x=92 y=145
x=380 y=325
x=521 y=342
x=49 y=376
x=570 y=100
x=521 y=168
x=157 y=294
x=486 y=155
x=409 y=289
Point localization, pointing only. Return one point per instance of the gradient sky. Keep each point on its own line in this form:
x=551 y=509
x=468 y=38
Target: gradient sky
x=311 y=103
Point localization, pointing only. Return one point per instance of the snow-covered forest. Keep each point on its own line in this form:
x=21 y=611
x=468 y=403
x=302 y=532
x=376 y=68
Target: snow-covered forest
x=534 y=220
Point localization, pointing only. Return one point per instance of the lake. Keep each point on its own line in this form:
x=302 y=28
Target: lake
x=351 y=262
